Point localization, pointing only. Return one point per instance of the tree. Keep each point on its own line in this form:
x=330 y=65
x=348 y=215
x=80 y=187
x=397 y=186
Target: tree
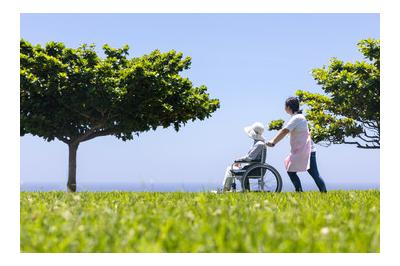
x=349 y=112
x=74 y=95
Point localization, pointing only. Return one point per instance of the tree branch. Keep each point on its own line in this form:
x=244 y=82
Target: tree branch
x=63 y=139
x=371 y=137
x=371 y=128
x=324 y=144
x=361 y=146
x=89 y=132
x=90 y=118
x=368 y=140
x=99 y=134
x=73 y=110
x=370 y=124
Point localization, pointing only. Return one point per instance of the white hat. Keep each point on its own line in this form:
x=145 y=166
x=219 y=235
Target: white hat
x=255 y=131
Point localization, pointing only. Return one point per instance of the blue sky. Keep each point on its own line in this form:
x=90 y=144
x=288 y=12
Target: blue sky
x=251 y=62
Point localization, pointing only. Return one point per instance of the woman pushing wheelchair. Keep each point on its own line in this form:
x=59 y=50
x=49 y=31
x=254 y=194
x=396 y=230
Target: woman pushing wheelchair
x=302 y=155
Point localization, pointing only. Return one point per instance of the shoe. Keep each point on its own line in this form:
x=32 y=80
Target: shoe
x=218 y=191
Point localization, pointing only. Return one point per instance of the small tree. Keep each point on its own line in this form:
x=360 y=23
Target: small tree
x=74 y=95
x=349 y=113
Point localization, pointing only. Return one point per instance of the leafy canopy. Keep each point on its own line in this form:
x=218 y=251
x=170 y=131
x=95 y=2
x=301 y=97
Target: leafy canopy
x=276 y=124
x=349 y=111
x=75 y=95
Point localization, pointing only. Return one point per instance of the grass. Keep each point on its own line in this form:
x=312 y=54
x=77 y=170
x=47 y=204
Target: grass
x=338 y=221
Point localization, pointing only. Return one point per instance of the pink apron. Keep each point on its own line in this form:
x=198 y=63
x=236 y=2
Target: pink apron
x=299 y=157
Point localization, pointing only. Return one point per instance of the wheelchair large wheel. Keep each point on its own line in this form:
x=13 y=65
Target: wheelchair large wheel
x=261 y=178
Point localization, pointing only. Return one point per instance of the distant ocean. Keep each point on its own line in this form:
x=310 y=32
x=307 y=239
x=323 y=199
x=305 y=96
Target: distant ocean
x=170 y=187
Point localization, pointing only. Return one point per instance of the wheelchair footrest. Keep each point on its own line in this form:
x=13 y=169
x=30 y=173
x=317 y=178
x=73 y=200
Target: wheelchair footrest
x=238 y=171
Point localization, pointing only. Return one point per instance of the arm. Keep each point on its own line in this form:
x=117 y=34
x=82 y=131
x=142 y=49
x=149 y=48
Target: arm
x=281 y=134
x=291 y=124
x=253 y=153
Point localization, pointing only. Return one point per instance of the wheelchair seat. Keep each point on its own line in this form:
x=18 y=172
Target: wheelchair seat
x=261 y=158
x=257 y=175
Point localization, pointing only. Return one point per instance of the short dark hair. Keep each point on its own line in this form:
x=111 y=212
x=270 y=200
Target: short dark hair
x=294 y=104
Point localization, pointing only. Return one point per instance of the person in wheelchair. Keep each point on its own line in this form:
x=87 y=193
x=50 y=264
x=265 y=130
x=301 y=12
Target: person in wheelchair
x=255 y=132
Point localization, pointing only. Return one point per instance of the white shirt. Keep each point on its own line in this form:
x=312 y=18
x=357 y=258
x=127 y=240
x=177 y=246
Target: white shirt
x=299 y=123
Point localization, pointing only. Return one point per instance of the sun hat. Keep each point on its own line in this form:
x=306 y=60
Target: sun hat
x=255 y=131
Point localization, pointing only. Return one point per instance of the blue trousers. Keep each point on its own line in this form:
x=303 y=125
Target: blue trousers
x=313 y=171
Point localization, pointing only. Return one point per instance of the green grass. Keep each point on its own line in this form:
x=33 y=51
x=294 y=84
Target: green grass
x=200 y=222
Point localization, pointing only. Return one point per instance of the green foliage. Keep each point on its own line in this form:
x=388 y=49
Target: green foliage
x=339 y=221
x=75 y=95
x=276 y=124
x=352 y=107
x=349 y=112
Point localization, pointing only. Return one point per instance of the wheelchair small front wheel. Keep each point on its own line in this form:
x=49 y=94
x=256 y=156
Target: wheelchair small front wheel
x=262 y=178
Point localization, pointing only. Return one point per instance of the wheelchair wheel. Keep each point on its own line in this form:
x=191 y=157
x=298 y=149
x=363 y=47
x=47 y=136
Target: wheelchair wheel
x=261 y=178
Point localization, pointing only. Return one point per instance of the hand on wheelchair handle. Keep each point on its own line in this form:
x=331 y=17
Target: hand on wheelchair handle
x=270 y=144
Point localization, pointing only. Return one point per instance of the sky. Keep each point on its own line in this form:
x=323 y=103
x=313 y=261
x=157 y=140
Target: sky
x=250 y=62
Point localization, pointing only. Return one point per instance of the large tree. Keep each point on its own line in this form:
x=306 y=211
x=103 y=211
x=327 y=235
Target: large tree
x=75 y=95
x=349 y=111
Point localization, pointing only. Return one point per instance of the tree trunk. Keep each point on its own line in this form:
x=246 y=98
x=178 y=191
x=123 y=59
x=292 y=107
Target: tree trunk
x=71 y=185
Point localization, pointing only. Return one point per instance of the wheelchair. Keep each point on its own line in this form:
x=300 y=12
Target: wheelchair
x=257 y=175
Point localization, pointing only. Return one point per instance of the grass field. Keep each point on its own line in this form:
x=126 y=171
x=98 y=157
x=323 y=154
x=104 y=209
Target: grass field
x=200 y=222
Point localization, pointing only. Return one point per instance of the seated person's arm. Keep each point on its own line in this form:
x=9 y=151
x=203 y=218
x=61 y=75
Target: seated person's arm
x=253 y=153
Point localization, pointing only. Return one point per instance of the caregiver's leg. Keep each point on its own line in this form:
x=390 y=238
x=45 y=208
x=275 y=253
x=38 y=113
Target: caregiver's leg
x=228 y=179
x=313 y=171
x=296 y=181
